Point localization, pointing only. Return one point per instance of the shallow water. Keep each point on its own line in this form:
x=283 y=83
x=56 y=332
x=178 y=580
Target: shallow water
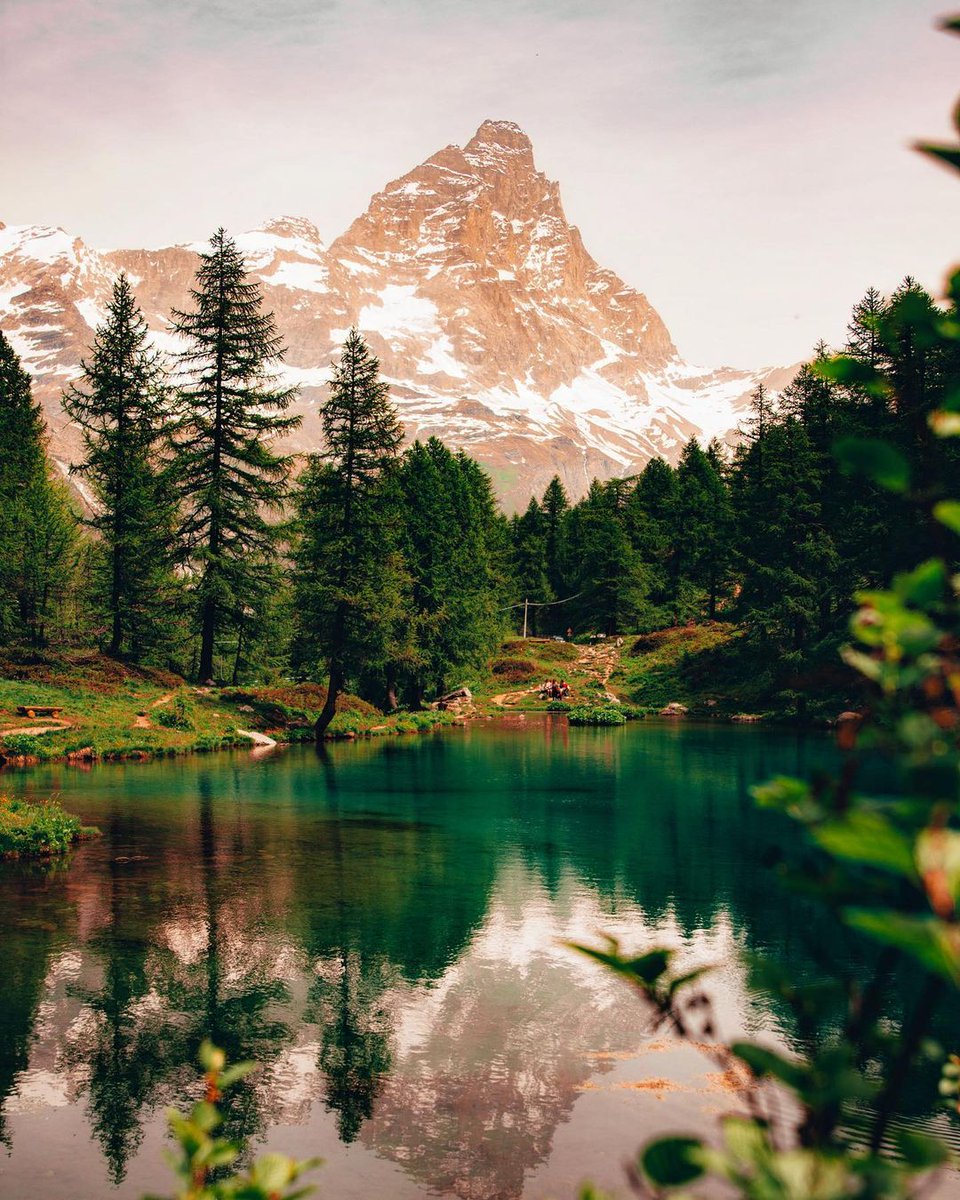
x=381 y=927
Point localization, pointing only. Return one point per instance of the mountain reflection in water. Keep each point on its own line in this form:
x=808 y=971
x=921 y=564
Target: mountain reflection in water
x=380 y=928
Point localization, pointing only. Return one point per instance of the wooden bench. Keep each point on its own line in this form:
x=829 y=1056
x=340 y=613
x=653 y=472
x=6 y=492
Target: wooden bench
x=37 y=710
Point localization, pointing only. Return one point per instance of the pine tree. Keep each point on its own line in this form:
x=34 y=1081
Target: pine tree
x=120 y=405
x=38 y=531
x=609 y=571
x=554 y=506
x=702 y=527
x=349 y=580
x=529 y=562
x=864 y=336
x=452 y=543
x=229 y=477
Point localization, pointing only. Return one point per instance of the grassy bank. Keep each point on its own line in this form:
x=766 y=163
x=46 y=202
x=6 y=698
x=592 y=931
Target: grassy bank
x=34 y=830
x=111 y=712
x=714 y=670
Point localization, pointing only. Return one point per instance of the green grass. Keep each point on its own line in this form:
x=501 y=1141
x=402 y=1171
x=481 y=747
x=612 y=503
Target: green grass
x=520 y=664
x=686 y=664
x=116 y=712
x=716 y=670
x=30 y=830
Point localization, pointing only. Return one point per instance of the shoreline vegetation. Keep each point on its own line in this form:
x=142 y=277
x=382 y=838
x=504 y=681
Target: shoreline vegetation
x=38 y=829
x=115 y=712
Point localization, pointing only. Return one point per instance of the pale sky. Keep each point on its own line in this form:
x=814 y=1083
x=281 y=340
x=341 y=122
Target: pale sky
x=745 y=163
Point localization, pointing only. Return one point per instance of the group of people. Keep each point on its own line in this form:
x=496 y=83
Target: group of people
x=555 y=689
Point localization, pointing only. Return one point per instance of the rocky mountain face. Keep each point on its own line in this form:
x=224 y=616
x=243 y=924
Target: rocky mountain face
x=495 y=328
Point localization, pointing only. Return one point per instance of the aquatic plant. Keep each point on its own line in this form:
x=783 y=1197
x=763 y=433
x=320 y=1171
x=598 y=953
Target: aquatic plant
x=597 y=714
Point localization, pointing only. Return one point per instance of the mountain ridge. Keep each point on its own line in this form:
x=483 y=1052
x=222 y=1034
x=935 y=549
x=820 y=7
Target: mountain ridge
x=496 y=329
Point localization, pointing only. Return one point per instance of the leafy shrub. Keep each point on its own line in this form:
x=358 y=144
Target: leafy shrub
x=178 y=716
x=18 y=744
x=28 y=828
x=512 y=670
x=590 y=714
x=558 y=706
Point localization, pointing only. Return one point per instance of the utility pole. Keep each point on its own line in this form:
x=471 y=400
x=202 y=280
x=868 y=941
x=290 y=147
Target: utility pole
x=525 y=606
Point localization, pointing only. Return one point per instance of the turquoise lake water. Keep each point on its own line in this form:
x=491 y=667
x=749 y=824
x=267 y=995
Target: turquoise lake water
x=381 y=928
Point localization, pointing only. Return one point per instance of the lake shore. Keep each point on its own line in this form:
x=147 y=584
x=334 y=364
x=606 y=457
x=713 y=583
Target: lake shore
x=109 y=711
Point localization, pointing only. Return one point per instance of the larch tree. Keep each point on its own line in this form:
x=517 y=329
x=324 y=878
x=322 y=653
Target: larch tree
x=120 y=404
x=348 y=579
x=229 y=478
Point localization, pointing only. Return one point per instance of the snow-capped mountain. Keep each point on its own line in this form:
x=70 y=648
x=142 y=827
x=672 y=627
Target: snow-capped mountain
x=496 y=329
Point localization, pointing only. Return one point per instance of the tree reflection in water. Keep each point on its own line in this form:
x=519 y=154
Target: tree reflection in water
x=377 y=929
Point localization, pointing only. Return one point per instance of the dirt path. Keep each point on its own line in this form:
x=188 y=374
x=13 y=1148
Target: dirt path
x=599 y=662
x=505 y=699
x=35 y=730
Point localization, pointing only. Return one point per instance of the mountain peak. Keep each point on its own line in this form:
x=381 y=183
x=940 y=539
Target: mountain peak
x=500 y=136
x=292 y=227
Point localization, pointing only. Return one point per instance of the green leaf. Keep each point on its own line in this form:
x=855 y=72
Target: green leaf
x=945 y=154
x=871 y=667
x=852 y=372
x=947 y=513
x=689 y=977
x=786 y=794
x=648 y=967
x=672 y=1161
x=231 y=1075
x=920 y=1150
x=865 y=836
x=273 y=1172
x=745 y=1138
x=811 y=1175
x=926 y=939
x=874 y=459
x=924 y=585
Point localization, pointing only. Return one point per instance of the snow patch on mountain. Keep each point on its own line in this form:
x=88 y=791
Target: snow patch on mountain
x=496 y=329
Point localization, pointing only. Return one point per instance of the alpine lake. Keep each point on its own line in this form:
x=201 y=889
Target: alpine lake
x=381 y=926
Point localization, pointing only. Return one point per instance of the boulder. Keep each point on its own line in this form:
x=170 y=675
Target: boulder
x=674 y=709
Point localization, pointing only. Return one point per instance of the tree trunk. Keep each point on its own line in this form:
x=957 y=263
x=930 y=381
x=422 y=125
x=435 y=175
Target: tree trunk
x=207 y=631
x=236 y=659
x=116 y=638
x=391 y=689
x=329 y=710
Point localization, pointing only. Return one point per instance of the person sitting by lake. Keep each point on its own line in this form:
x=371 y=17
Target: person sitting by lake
x=554 y=689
